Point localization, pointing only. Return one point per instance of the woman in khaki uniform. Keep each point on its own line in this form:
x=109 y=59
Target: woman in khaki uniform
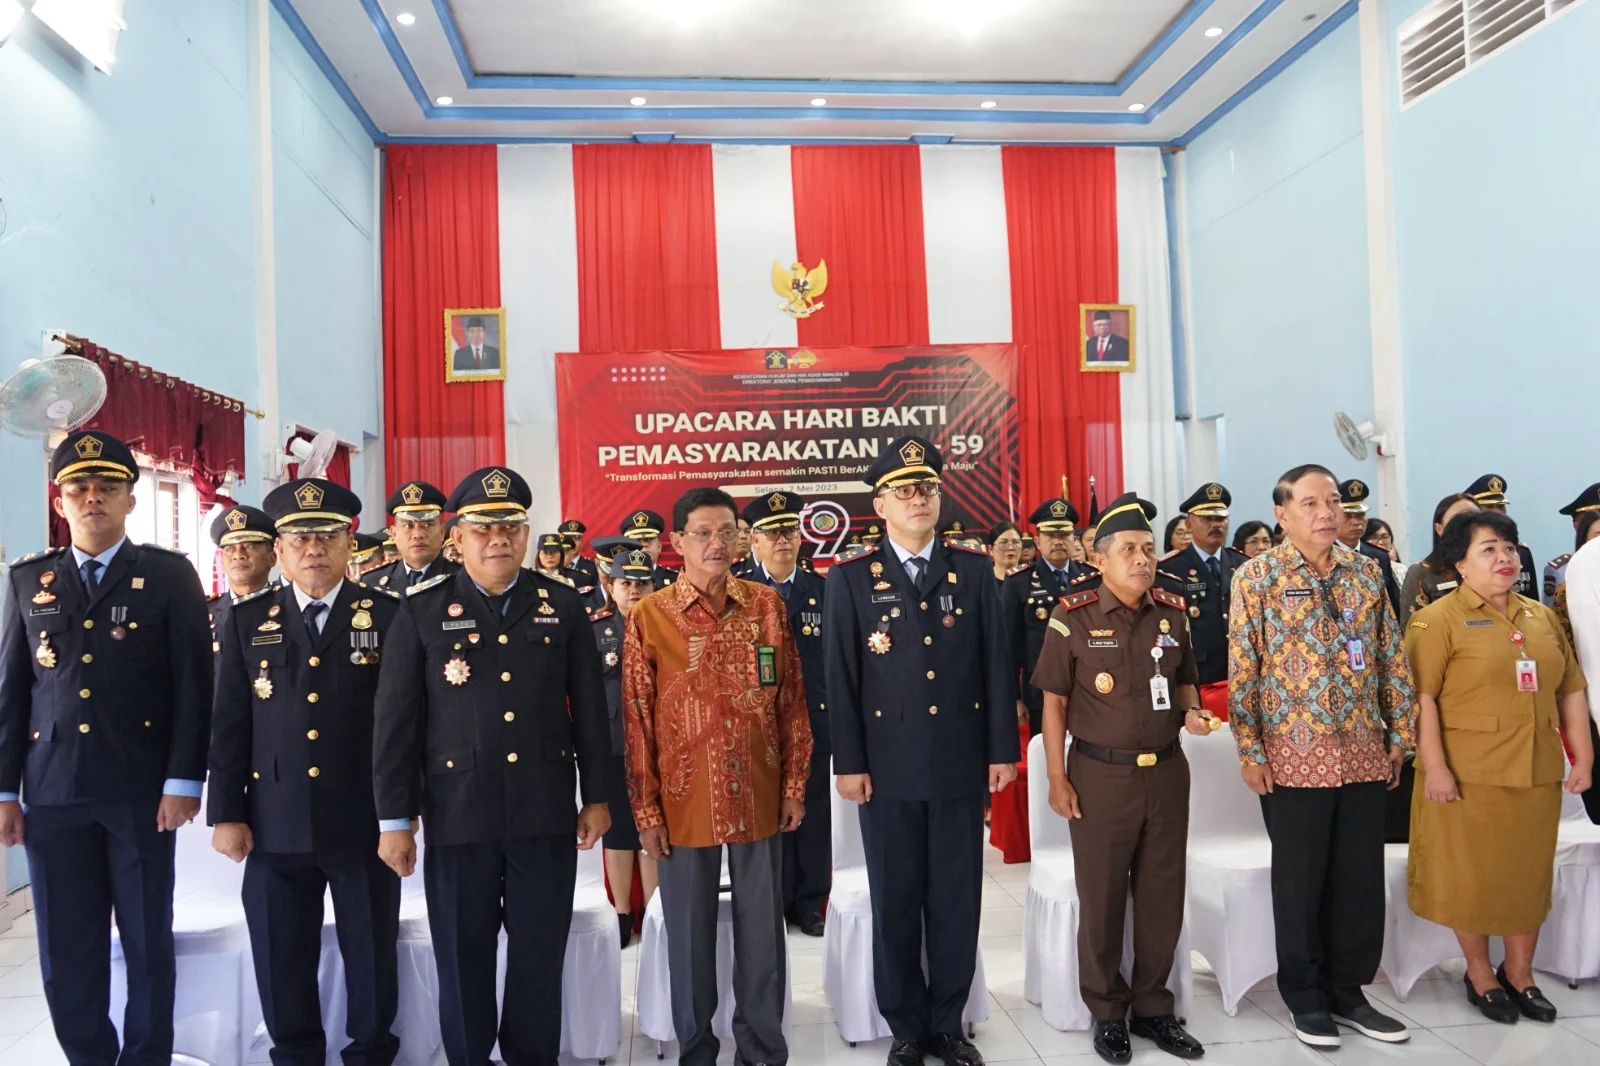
x=1497 y=680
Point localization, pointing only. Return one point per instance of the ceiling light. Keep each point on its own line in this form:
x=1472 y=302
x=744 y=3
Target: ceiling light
x=444 y=101
x=90 y=26
x=969 y=16
x=637 y=101
x=10 y=14
x=1135 y=107
x=818 y=101
x=987 y=104
x=1214 y=31
x=406 y=18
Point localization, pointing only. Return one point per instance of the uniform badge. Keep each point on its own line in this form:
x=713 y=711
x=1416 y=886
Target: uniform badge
x=878 y=642
x=361 y=620
x=950 y=576
x=876 y=568
x=47 y=578
x=45 y=653
x=1041 y=613
x=383 y=581
x=545 y=608
x=1194 y=612
x=472 y=638
x=1104 y=682
x=456 y=671
x=1166 y=626
x=805 y=631
x=274 y=611
x=611 y=658
x=894 y=612
x=608 y=631
x=455 y=610
x=137 y=582
x=882 y=586
x=366 y=603
x=263 y=687
x=44 y=597
x=268 y=626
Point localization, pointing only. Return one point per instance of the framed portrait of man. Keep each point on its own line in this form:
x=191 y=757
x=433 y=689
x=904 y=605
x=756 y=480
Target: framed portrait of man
x=1106 y=331
x=474 y=344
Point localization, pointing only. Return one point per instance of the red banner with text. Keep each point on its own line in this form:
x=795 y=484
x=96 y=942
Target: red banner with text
x=638 y=429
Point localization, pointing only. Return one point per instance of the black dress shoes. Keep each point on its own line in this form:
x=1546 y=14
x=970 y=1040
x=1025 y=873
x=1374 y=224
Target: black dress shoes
x=1111 y=1042
x=954 y=1050
x=625 y=928
x=1530 y=1001
x=1168 y=1035
x=810 y=923
x=1495 y=1004
x=905 y=1053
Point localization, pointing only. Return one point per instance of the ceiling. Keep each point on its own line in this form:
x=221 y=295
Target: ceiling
x=932 y=71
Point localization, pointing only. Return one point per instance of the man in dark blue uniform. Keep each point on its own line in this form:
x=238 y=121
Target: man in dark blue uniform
x=922 y=714
x=1490 y=493
x=489 y=697
x=1202 y=574
x=366 y=557
x=1353 y=499
x=245 y=535
x=584 y=573
x=105 y=711
x=291 y=780
x=1580 y=511
x=808 y=851
x=1028 y=597
x=647 y=528
x=416 y=525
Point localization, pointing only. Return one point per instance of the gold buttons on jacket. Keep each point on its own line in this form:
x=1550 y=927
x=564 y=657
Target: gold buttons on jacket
x=83 y=693
x=449 y=764
x=312 y=734
x=930 y=675
x=877 y=714
x=504 y=639
x=547 y=640
x=314 y=772
x=87 y=658
x=148 y=724
x=314 y=661
x=511 y=716
x=313 y=698
x=506 y=676
x=36 y=735
x=256 y=775
x=927 y=640
x=511 y=756
x=933 y=710
x=924 y=606
x=88 y=623
x=83 y=727
x=263 y=664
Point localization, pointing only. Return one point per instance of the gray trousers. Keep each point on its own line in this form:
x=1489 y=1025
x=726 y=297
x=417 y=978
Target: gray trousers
x=690 y=878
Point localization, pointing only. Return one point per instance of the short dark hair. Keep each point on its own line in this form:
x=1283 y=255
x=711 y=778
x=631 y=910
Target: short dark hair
x=1585 y=520
x=1248 y=530
x=474 y=323
x=1100 y=316
x=1457 y=536
x=1434 y=558
x=1283 y=491
x=999 y=529
x=694 y=499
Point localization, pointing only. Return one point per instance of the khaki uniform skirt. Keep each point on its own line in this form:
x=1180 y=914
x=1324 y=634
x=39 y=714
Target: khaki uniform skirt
x=1484 y=863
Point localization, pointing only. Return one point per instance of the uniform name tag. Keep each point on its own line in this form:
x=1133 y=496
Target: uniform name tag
x=767 y=665
x=1195 y=586
x=34 y=612
x=275 y=638
x=1103 y=643
x=1297 y=594
x=886 y=597
x=1478 y=623
x=461 y=623
x=1444 y=586
x=539 y=620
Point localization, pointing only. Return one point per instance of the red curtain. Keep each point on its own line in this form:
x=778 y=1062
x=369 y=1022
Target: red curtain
x=441 y=249
x=647 y=247
x=860 y=208
x=1061 y=215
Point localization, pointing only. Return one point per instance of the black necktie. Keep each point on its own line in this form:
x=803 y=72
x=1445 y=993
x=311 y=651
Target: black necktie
x=91 y=575
x=783 y=588
x=498 y=603
x=314 y=613
x=1214 y=569
x=914 y=568
x=415 y=576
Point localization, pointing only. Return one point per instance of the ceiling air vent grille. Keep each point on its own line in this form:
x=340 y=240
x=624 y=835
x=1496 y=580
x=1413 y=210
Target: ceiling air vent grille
x=1450 y=37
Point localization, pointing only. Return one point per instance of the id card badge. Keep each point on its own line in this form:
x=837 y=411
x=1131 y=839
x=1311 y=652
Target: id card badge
x=1527 y=675
x=1357 y=652
x=1160 y=699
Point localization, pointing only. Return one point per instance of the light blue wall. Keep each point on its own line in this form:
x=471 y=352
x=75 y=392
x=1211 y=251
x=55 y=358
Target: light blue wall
x=1498 y=227
x=127 y=213
x=1276 y=213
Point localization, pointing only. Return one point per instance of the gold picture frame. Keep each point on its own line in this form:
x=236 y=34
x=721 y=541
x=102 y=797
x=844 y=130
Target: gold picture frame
x=1121 y=349
x=484 y=361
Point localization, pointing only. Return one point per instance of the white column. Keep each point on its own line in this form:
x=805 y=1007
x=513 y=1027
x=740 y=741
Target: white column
x=265 y=248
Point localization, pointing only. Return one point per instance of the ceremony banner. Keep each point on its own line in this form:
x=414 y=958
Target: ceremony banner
x=637 y=429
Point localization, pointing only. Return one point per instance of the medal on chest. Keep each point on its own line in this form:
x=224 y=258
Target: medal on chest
x=118 y=616
x=947 y=604
x=878 y=641
x=262 y=685
x=45 y=653
x=456 y=671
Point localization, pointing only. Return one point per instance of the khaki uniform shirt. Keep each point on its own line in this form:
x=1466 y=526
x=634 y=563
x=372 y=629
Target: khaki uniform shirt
x=1097 y=654
x=1463 y=656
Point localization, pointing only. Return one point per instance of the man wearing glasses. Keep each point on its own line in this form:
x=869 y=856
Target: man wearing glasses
x=646 y=528
x=718 y=753
x=774 y=521
x=1028 y=597
x=921 y=705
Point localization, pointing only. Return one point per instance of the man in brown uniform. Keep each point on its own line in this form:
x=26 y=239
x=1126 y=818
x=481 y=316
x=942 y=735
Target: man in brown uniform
x=1120 y=657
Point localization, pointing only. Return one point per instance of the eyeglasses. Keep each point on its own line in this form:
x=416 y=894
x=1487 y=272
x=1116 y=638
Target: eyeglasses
x=779 y=534
x=702 y=536
x=907 y=493
x=1008 y=542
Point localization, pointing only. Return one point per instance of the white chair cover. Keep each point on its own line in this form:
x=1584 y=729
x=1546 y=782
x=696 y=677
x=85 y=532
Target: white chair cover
x=1411 y=945
x=1230 y=870
x=1569 y=943
x=653 y=1006
x=847 y=939
x=1050 y=918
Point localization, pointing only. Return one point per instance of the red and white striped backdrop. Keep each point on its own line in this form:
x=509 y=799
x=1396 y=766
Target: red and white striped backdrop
x=600 y=248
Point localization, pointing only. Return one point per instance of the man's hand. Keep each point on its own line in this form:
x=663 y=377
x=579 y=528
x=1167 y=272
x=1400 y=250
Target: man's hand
x=1257 y=777
x=653 y=842
x=593 y=821
x=1198 y=722
x=1001 y=774
x=1064 y=798
x=790 y=816
x=176 y=811
x=398 y=850
x=1397 y=759
x=1022 y=711
x=857 y=788
x=11 y=819
x=233 y=839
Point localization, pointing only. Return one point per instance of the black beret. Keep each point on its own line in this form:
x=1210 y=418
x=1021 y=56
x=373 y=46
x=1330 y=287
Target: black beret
x=1123 y=513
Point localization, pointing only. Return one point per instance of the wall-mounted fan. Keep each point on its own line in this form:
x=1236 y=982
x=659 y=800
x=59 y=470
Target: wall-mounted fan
x=313 y=455
x=1355 y=436
x=48 y=398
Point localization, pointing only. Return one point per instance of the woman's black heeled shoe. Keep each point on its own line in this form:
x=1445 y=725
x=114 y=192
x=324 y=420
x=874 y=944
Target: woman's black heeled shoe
x=1494 y=1004
x=1530 y=1001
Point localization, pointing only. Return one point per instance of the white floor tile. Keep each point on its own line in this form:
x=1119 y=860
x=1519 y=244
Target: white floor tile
x=1423 y=1049
x=38 y=1048
x=1047 y=1041
x=1588 y=1028
x=14 y=951
x=1524 y=1042
x=1210 y=1024
x=1000 y=922
x=22 y=1014
x=22 y=981
x=1432 y=1003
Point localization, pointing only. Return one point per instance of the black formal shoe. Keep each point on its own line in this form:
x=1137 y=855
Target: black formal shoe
x=1373 y=1024
x=1495 y=1004
x=1111 y=1042
x=1168 y=1035
x=810 y=923
x=625 y=927
x=1316 y=1029
x=905 y=1053
x=1530 y=1001
x=954 y=1050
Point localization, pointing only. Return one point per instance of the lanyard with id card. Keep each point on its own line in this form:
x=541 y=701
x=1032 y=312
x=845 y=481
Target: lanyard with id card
x=1527 y=669
x=1354 y=647
x=1160 y=697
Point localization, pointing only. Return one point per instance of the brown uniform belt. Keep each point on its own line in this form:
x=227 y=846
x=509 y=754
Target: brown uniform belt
x=1127 y=758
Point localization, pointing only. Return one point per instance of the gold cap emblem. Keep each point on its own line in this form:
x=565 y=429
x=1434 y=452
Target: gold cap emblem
x=1213 y=491
x=1357 y=490
x=778 y=502
x=308 y=496
x=640 y=520
x=912 y=453
x=1496 y=485
x=411 y=494
x=236 y=520
x=496 y=485
x=1058 y=509
x=89 y=447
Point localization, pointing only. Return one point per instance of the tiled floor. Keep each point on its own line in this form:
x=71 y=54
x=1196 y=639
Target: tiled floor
x=1445 y=1031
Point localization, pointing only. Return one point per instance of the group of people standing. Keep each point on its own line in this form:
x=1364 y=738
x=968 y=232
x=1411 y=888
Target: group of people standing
x=519 y=714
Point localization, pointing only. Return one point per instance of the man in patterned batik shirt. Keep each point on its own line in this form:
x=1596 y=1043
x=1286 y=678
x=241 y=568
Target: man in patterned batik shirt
x=1323 y=710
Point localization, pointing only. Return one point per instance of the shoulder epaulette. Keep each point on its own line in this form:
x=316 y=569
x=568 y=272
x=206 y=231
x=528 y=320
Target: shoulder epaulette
x=1168 y=574
x=604 y=612
x=856 y=552
x=1074 y=600
x=1559 y=561
x=167 y=551
x=48 y=553
x=1236 y=551
x=970 y=551
x=1019 y=568
x=557 y=578
x=385 y=591
x=257 y=594
x=428 y=584
x=1171 y=599
x=213 y=599
x=1089 y=574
